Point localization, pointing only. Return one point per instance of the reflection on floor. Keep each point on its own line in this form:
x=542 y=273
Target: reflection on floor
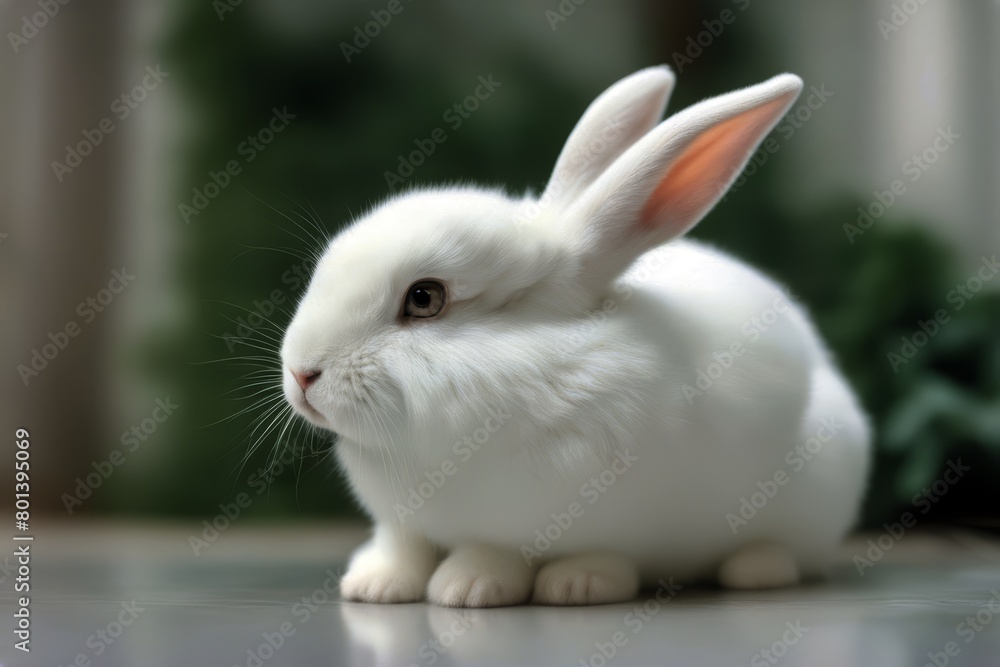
x=253 y=597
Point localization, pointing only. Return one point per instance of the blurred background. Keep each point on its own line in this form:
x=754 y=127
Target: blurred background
x=167 y=171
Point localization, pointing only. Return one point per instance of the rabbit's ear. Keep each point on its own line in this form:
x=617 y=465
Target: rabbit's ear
x=668 y=180
x=613 y=122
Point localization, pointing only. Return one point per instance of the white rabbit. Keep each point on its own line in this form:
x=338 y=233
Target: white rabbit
x=508 y=392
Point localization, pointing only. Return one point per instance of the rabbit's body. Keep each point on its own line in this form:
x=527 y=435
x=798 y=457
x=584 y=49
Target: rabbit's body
x=677 y=480
x=509 y=391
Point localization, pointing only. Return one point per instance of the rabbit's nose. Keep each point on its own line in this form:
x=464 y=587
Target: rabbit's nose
x=305 y=378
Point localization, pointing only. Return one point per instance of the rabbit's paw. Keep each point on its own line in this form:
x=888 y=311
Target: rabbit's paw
x=388 y=568
x=480 y=576
x=382 y=583
x=581 y=580
x=759 y=566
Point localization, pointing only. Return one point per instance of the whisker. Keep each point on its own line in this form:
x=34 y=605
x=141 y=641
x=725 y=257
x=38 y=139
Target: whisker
x=286 y=251
x=258 y=404
x=279 y=412
x=309 y=240
x=231 y=360
x=277 y=327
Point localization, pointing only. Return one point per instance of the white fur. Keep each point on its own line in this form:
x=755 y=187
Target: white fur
x=550 y=368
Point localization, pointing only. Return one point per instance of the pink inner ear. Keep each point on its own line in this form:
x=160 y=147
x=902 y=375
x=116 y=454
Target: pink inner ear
x=696 y=179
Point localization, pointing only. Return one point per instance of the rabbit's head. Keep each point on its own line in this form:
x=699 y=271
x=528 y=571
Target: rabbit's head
x=443 y=304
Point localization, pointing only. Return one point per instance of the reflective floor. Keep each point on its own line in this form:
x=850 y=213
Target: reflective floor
x=117 y=596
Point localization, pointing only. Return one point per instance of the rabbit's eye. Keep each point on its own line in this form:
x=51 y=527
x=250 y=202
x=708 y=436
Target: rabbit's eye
x=424 y=299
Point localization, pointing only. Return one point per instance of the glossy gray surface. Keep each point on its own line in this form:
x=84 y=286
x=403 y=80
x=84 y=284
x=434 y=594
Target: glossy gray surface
x=926 y=596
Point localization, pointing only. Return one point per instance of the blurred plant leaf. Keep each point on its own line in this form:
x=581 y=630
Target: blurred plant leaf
x=920 y=467
x=933 y=399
